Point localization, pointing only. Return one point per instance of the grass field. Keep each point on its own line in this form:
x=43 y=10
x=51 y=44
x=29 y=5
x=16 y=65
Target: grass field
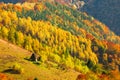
x=11 y=54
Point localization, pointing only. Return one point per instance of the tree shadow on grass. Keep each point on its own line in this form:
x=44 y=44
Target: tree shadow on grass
x=34 y=62
x=11 y=71
x=27 y=59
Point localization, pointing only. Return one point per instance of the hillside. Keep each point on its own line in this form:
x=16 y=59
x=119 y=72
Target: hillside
x=107 y=11
x=11 y=54
x=63 y=38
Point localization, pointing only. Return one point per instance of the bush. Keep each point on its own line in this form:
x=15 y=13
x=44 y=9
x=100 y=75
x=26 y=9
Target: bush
x=43 y=58
x=35 y=78
x=82 y=69
x=97 y=68
x=80 y=66
x=92 y=77
x=54 y=57
x=17 y=69
x=5 y=77
x=69 y=62
x=51 y=64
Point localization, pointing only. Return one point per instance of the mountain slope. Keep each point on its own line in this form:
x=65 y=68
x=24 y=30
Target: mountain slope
x=63 y=37
x=106 y=11
x=11 y=54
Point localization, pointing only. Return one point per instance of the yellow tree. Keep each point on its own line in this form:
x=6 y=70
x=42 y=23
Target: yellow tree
x=35 y=45
x=4 y=32
x=19 y=37
x=11 y=35
x=27 y=43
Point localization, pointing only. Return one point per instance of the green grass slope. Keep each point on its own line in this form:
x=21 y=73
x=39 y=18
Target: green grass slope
x=11 y=54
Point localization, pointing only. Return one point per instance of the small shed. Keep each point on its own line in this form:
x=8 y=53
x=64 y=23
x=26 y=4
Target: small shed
x=35 y=57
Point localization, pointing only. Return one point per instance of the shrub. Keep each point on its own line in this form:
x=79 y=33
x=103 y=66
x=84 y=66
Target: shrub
x=54 y=57
x=69 y=62
x=81 y=77
x=5 y=77
x=82 y=69
x=35 y=78
x=80 y=66
x=17 y=69
x=97 y=68
x=92 y=76
x=51 y=64
x=43 y=58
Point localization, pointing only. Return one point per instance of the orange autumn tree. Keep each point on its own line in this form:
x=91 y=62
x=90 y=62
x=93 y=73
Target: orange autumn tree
x=113 y=48
x=30 y=1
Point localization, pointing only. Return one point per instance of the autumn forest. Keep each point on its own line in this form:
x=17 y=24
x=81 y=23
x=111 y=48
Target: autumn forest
x=63 y=37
